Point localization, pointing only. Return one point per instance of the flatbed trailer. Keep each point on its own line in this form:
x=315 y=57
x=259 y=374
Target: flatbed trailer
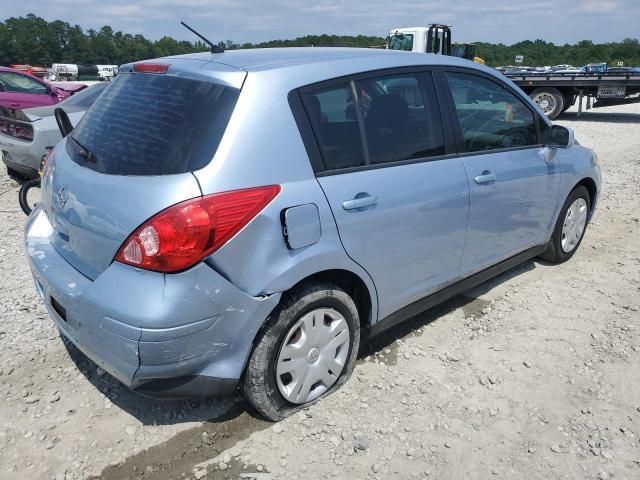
x=556 y=92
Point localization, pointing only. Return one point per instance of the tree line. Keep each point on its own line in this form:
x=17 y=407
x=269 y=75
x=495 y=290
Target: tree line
x=35 y=41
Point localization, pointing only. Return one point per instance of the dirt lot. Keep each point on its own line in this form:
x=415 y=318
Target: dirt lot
x=534 y=375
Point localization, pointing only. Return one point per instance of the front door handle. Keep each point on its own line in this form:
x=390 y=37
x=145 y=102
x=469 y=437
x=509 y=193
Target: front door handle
x=362 y=200
x=486 y=177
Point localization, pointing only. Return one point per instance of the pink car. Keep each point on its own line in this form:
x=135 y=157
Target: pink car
x=19 y=90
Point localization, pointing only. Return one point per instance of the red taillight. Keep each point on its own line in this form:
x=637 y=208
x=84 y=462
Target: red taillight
x=151 y=67
x=23 y=131
x=182 y=235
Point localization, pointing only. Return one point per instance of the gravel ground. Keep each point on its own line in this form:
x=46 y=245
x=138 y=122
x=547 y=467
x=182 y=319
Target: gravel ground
x=535 y=374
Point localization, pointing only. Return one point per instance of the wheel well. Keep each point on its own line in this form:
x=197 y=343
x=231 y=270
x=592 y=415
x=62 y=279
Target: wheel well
x=590 y=185
x=350 y=283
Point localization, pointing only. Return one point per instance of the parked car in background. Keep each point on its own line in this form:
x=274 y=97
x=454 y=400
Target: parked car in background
x=243 y=219
x=24 y=139
x=20 y=90
x=565 y=69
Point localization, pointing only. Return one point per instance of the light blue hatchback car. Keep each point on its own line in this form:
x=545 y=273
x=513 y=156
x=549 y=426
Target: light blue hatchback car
x=243 y=219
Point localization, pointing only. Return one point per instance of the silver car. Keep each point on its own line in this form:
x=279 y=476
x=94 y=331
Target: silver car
x=246 y=219
x=27 y=136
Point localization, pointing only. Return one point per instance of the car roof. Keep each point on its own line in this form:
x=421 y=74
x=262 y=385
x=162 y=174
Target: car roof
x=260 y=59
x=296 y=67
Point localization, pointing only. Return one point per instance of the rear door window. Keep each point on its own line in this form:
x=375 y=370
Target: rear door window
x=490 y=117
x=153 y=124
x=401 y=117
x=334 y=120
x=376 y=120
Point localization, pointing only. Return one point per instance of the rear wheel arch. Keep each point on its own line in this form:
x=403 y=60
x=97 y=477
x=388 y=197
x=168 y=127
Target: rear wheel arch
x=364 y=296
x=351 y=283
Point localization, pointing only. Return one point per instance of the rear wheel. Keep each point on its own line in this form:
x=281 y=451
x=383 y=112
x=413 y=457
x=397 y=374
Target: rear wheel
x=569 y=100
x=550 y=100
x=307 y=351
x=570 y=226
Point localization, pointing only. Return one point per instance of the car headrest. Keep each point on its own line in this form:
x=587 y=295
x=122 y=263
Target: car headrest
x=387 y=111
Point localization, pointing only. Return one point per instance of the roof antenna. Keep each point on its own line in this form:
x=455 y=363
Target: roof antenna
x=214 y=48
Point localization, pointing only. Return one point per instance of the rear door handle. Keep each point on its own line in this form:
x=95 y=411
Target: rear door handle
x=360 y=201
x=486 y=177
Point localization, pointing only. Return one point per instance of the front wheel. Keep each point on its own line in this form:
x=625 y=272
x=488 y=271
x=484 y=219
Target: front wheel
x=27 y=196
x=570 y=226
x=307 y=350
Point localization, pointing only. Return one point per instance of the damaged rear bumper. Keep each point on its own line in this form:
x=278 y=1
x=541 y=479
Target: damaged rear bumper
x=185 y=334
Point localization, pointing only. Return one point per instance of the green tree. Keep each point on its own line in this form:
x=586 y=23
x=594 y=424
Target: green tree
x=36 y=41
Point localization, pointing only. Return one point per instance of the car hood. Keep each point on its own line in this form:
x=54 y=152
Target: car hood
x=68 y=86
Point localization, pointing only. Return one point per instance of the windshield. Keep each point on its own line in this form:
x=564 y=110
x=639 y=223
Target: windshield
x=153 y=124
x=401 y=41
x=18 y=83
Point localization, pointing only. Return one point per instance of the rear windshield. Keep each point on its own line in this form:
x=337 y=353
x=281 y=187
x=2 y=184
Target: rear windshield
x=153 y=124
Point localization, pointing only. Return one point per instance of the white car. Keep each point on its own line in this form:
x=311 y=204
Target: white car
x=26 y=135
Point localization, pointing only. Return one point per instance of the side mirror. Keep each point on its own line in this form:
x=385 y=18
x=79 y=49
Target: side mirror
x=560 y=137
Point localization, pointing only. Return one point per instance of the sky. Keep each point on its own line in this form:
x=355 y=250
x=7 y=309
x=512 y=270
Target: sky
x=496 y=21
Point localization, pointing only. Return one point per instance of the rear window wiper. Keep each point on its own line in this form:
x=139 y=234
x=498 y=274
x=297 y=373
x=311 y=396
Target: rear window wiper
x=82 y=151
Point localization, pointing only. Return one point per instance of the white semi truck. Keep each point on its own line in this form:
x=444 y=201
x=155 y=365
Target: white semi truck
x=435 y=38
x=72 y=72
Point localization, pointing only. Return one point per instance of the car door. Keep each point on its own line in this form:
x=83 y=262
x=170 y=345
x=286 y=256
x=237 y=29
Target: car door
x=400 y=202
x=21 y=91
x=513 y=179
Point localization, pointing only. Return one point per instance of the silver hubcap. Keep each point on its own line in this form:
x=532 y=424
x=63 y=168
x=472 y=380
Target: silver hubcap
x=312 y=355
x=545 y=101
x=574 y=224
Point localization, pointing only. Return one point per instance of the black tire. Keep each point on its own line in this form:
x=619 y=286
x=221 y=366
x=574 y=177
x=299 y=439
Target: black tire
x=554 y=97
x=23 y=194
x=569 y=100
x=554 y=252
x=259 y=382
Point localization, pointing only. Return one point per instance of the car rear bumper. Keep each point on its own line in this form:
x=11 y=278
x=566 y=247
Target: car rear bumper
x=186 y=334
x=23 y=156
x=19 y=166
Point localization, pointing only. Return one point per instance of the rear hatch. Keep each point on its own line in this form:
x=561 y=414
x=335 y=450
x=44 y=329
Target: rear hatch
x=130 y=157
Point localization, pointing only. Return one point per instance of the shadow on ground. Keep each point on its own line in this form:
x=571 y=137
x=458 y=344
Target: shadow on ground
x=605 y=117
x=469 y=302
